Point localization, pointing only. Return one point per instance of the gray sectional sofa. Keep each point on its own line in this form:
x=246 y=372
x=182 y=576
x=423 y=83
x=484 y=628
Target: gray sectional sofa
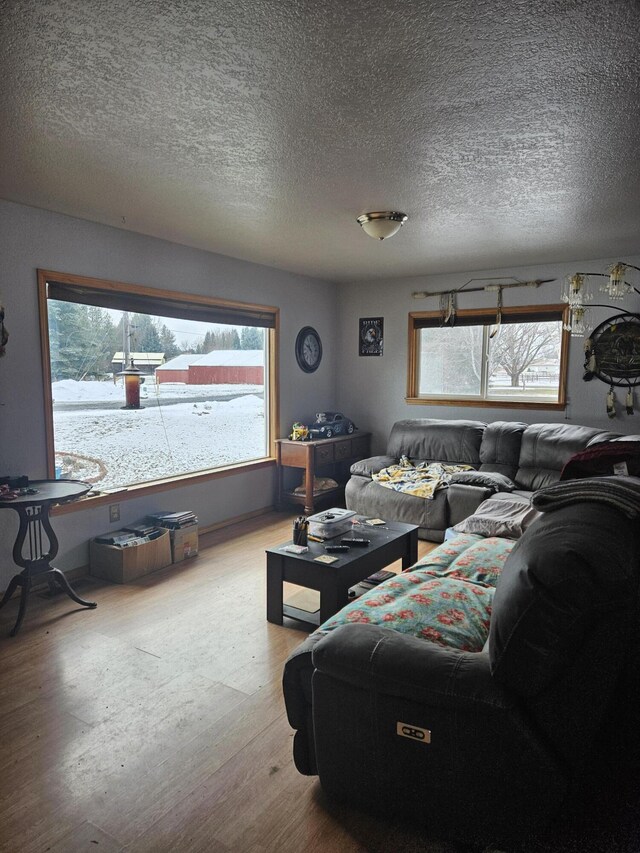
x=530 y=455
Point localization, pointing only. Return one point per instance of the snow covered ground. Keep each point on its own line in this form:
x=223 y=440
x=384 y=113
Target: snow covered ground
x=181 y=428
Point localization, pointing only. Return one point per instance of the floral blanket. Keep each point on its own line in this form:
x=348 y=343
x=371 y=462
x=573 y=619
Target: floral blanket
x=445 y=598
x=422 y=480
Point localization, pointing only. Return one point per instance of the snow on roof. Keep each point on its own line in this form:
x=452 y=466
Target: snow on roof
x=216 y=358
x=180 y=362
x=231 y=358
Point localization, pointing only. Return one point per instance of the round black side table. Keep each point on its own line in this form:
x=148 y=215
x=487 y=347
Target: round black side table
x=33 y=511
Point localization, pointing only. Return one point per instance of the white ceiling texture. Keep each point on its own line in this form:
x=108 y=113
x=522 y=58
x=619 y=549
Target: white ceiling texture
x=507 y=130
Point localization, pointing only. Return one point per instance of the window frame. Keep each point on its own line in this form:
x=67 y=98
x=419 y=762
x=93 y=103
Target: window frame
x=233 y=308
x=425 y=319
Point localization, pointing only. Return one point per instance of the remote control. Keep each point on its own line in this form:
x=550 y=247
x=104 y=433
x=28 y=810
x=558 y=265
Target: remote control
x=332 y=548
x=357 y=543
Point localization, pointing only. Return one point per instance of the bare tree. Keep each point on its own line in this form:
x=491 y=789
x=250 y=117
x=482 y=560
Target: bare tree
x=518 y=345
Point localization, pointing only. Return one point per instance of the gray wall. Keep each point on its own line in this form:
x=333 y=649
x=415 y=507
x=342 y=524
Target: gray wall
x=371 y=390
x=32 y=238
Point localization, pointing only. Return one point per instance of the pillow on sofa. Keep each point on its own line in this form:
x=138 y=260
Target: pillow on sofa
x=367 y=467
x=505 y=517
x=488 y=479
x=447 y=611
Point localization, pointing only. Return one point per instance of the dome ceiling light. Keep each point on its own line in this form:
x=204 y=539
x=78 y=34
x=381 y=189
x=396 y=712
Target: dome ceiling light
x=382 y=224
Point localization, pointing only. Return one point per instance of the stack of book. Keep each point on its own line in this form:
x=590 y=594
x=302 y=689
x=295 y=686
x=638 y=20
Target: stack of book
x=174 y=520
x=129 y=537
x=370 y=583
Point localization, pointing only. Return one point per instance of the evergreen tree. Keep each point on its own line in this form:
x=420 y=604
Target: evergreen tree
x=81 y=340
x=208 y=343
x=146 y=334
x=168 y=343
x=251 y=338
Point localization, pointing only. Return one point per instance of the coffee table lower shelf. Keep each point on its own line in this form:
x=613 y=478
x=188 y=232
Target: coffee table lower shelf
x=308 y=616
x=312 y=617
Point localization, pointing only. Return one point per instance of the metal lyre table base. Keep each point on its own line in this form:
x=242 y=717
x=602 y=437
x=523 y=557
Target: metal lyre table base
x=36 y=533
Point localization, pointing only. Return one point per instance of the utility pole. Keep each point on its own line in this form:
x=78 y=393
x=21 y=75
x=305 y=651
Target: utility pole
x=126 y=339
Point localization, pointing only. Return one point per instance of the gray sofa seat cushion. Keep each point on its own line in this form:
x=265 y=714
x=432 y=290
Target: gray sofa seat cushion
x=431 y=440
x=545 y=450
x=371 y=499
x=503 y=517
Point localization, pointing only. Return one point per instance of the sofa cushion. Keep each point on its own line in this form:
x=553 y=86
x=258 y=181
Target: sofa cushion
x=373 y=500
x=488 y=479
x=432 y=440
x=444 y=610
x=545 y=450
x=367 y=467
x=501 y=516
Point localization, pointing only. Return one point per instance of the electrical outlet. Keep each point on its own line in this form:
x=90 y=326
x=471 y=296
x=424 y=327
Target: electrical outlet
x=114 y=512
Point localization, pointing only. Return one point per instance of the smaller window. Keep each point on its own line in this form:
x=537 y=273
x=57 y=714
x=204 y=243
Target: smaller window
x=519 y=363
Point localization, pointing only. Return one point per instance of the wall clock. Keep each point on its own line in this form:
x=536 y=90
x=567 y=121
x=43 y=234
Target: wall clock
x=308 y=349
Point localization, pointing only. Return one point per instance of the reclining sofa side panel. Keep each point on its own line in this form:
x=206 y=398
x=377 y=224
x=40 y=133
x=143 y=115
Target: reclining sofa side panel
x=545 y=450
x=500 y=448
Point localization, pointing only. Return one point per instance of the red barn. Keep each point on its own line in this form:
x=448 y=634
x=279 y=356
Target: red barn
x=176 y=369
x=228 y=367
x=219 y=367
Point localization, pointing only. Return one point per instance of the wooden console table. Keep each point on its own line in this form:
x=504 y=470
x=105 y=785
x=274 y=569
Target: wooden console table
x=334 y=454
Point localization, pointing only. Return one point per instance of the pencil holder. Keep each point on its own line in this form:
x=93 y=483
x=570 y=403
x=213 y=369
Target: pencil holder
x=300 y=530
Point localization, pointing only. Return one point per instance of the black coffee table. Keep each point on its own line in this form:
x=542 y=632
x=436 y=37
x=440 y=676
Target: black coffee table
x=394 y=541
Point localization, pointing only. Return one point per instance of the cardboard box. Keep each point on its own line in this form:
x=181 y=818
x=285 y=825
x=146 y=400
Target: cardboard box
x=184 y=543
x=122 y=565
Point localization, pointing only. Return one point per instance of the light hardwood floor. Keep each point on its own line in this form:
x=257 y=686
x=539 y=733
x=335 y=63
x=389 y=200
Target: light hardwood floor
x=156 y=722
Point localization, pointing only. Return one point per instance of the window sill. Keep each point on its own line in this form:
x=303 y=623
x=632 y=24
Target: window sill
x=483 y=404
x=89 y=502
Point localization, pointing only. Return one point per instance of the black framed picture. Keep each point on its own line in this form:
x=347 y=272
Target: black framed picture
x=371 y=335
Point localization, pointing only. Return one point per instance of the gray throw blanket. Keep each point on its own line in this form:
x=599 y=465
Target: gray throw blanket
x=623 y=493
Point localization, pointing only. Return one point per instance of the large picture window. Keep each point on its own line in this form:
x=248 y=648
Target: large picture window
x=519 y=363
x=202 y=370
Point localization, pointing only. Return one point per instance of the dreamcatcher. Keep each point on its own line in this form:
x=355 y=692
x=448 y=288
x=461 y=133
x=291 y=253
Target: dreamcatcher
x=612 y=354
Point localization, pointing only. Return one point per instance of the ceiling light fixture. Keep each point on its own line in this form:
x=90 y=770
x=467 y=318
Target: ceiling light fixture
x=382 y=224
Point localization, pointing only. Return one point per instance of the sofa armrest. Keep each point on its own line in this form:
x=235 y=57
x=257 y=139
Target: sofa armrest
x=402 y=726
x=463 y=501
x=296 y=680
x=381 y=659
x=367 y=467
x=296 y=686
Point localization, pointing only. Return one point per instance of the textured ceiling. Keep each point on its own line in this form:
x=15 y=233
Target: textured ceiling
x=507 y=130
